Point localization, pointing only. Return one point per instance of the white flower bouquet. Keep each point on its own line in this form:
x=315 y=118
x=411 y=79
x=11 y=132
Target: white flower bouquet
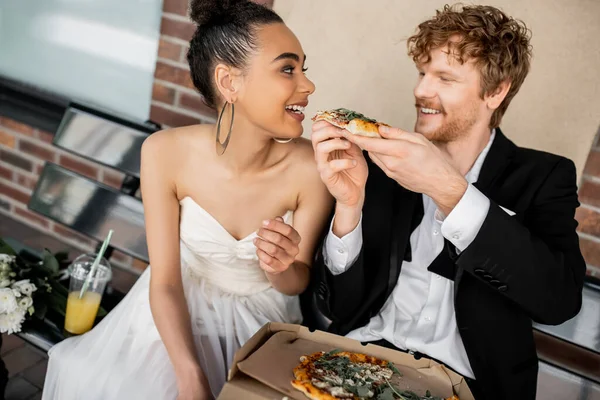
x=16 y=296
x=29 y=288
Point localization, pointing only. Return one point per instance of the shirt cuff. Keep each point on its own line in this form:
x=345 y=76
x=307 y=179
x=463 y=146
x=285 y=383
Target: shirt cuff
x=340 y=253
x=462 y=225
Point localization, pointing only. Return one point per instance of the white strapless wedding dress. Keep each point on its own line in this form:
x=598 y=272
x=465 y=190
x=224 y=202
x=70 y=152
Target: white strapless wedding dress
x=229 y=299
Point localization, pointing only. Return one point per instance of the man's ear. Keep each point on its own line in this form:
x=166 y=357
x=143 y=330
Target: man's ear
x=228 y=81
x=495 y=98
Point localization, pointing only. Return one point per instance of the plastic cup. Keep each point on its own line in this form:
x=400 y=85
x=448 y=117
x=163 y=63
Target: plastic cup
x=81 y=312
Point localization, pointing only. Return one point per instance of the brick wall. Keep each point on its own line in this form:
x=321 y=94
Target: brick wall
x=588 y=214
x=175 y=102
x=23 y=151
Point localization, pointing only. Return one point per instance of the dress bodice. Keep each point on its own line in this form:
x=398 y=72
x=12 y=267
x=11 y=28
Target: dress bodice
x=210 y=252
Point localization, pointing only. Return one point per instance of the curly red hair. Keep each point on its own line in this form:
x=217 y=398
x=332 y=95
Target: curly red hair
x=499 y=45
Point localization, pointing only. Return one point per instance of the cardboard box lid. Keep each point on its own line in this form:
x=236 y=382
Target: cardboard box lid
x=262 y=368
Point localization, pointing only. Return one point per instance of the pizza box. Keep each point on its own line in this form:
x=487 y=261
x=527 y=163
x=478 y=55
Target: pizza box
x=262 y=368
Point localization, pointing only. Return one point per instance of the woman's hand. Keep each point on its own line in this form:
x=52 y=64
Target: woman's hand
x=193 y=386
x=277 y=246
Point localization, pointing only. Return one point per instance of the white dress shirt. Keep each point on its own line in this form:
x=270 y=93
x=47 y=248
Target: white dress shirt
x=419 y=314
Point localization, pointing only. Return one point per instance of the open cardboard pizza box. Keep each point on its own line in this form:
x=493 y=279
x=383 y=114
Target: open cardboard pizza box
x=262 y=368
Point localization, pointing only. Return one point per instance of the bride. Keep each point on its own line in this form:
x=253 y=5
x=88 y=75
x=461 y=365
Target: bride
x=233 y=213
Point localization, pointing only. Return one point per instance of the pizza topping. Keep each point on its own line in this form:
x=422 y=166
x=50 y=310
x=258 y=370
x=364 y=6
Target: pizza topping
x=320 y=384
x=354 y=376
x=333 y=378
x=376 y=372
x=349 y=115
x=340 y=393
x=343 y=115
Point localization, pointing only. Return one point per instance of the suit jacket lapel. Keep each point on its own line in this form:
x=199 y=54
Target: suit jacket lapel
x=407 y=206
x=444 y=264
x=495 y=163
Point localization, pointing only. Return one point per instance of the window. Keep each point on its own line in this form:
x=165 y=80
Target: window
x=98 y=52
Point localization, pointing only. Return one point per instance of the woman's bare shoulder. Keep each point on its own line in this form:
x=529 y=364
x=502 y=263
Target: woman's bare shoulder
x=302 y=152
x=302 y=156
x=173 y=143
x=304 y=166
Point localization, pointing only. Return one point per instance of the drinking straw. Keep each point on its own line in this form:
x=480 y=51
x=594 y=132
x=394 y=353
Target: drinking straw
x=90 y=275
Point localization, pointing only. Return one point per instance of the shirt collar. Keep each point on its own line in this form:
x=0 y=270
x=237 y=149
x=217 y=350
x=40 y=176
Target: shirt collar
x=473 y=173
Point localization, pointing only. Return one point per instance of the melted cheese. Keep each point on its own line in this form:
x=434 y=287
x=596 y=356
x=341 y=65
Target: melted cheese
x=340 y=393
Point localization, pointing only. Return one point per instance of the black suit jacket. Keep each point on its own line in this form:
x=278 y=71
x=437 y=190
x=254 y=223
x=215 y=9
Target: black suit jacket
x=519 y=269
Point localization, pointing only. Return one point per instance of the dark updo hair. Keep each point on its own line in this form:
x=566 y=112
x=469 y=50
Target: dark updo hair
x=226 y=33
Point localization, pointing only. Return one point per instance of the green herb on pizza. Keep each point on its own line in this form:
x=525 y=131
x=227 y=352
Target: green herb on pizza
x=345 y=375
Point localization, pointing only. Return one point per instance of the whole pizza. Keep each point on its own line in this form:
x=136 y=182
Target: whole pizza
x=345 y=375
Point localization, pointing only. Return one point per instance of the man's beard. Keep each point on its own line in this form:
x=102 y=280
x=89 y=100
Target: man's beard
x=452 y=128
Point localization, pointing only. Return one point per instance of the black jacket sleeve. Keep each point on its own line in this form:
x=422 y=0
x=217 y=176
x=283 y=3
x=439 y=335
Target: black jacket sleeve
x=535 y=261
x=340 y=296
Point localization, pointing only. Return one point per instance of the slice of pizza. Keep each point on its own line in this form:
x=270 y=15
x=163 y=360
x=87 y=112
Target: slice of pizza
x=354 y=122
x=346 y=375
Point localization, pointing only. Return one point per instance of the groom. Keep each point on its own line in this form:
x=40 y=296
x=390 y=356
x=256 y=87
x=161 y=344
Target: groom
x=458 y=239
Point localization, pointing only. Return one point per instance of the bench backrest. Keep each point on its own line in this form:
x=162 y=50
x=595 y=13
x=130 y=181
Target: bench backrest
x=103 y=139
x=91 y=208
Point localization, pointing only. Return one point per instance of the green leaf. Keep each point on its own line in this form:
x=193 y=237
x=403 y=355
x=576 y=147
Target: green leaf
x=40 y=310
x=50 y=263
x=351 y=389
x=428 y=394
x=331 y=353
x=58 y=288
x=58 y=303
x=6 y=249
x=101 y=312
x=61 y=256
x=394 y=369
x=362 y=391
x=409 y=395
x=386 y=394
x=349 y=115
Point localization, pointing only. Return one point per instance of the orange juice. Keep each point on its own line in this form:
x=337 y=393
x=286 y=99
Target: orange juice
x=81 y=313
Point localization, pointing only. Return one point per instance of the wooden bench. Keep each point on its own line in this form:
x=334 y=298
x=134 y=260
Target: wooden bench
x=575 y=345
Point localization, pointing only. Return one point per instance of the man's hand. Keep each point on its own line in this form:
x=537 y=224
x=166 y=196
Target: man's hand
x=344 y=171
x=341 y=164
x=416 y=164
x=277 y=246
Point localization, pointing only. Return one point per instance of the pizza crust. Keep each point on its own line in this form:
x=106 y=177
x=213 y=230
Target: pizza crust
x=363 y=128
x=311 y=392
x=303 y=374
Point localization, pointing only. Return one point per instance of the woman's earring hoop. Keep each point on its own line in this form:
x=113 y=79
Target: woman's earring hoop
x=221 y=147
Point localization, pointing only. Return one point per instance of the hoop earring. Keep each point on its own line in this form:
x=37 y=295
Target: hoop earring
x=283 y=141
x=221 y=147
